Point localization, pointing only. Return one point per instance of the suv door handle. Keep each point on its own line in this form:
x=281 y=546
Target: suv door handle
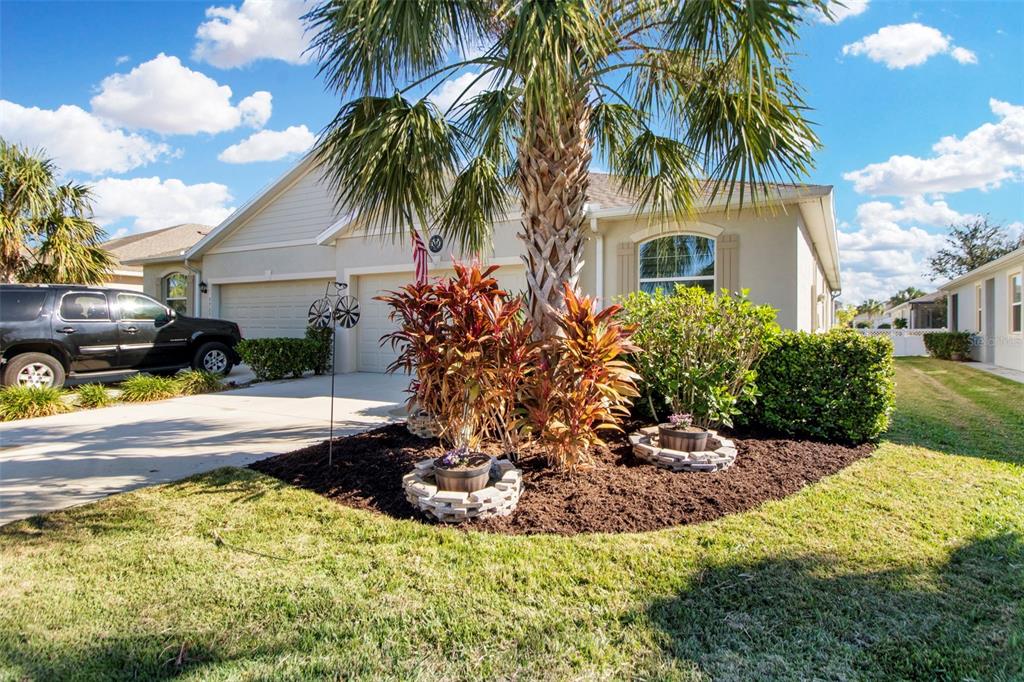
x=129 y=330
x=66 y=330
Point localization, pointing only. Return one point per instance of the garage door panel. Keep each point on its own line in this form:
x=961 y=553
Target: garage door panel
x=374 y=323
x=267 y=309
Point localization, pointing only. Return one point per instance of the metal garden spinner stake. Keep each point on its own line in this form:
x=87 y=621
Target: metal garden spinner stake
x=333 y=309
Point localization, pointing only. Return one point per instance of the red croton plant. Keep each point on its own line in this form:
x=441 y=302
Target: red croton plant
x=582 y=386
x=468 y=346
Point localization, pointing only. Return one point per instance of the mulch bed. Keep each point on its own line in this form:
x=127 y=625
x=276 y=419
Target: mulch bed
x=618 y=494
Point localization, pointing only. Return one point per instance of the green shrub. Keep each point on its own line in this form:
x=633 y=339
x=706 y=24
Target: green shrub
x=26 y=402
x=277 y=358
x=885 y=325
x=900 y=323
x=145 y=387
x=93 y=395
x=836 y=386
x=697 y=351
x=942 y=345
x=195 y=381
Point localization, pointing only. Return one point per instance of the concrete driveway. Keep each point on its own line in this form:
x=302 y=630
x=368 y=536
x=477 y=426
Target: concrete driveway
x=56 y=462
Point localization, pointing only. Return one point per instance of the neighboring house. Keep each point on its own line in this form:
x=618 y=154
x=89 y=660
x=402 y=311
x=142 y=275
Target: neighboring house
x=988 y=302
x=872 y=320
x=167 y=245
x=923 y=312
x=265 y=264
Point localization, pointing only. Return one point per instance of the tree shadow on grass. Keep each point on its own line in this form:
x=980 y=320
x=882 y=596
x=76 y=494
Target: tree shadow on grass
x=803 y=618
x=149 y=656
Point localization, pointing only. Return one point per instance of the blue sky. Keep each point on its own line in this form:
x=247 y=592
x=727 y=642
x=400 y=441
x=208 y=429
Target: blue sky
x=920 y=106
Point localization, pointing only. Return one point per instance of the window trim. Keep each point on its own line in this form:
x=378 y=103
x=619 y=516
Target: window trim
x=60 y=307
x=1018 y=304
x=121 y=318
x=165 y=289
x=979 y=309
x=713 y=277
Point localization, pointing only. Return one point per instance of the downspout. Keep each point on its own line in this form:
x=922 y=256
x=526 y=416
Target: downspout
x=197 y=295
x=599 y=247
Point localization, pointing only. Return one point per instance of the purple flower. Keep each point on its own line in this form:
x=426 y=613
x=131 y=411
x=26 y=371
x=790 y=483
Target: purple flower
x=455 y=457
x=681 y=420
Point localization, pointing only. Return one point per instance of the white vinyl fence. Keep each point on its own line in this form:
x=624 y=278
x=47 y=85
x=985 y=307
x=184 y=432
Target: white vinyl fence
x=904 y=341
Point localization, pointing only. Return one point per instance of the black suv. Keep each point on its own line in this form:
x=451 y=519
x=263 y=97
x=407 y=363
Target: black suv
x=51 y=331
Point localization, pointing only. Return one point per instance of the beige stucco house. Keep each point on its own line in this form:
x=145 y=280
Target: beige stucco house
x=989 y=302
x=265 y=264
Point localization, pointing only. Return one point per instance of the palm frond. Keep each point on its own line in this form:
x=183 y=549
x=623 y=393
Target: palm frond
x=479 y=195
x=662 y=175
x=369 y=46
x=389 y=160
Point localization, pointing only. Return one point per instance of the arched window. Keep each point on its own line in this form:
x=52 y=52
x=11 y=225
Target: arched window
x=175 y=287
x=686 y=259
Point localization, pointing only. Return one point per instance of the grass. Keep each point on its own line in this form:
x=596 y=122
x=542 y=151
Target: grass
x=90 y=396
x=26 y=402
x=195 y=381
x=906 y=565
x=146 y=387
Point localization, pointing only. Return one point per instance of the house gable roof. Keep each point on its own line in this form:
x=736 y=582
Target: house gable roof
x=604 y=197
x=135 y=249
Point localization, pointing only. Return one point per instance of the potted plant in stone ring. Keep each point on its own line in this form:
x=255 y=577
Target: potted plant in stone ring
x=681 y=435
x=460 y=470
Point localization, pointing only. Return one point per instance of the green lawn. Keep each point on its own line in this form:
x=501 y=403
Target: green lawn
x=907 y=565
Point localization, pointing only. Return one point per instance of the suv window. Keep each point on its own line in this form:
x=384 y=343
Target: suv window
x=135 y=307
x=84 y=306
x=21 y=306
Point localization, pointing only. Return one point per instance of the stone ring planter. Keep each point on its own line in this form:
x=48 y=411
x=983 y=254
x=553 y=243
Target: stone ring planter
x=720 y=453
x=497 y=499
x=422 y=425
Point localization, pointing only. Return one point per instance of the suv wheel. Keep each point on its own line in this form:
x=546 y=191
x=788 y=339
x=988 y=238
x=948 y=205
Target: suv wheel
x=34 y=369
x=213 y=357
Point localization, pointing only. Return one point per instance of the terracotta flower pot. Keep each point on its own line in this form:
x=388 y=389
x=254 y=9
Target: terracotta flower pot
x=690 y=439
x=466 y=478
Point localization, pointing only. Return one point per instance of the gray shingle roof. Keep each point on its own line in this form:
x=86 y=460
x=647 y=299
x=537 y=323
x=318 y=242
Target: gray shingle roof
x=167 y=241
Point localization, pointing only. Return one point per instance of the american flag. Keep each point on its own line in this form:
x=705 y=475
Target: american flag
x=419 y=257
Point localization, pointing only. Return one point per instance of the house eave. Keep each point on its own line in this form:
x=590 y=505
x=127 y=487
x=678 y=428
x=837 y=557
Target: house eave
x=983 y=270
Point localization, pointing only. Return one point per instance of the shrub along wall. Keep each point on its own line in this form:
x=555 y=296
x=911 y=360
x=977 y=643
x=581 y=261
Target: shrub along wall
x=277 y=358
x=836 y=386
x=942 y=345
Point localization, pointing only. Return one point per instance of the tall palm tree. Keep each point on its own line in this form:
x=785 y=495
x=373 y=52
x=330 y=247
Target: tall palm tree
x=872 y=307
x=665 y=94
x=45 y=232
x=904 y=295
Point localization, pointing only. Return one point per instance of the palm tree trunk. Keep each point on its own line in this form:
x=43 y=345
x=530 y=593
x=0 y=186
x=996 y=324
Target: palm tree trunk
x=553 y=179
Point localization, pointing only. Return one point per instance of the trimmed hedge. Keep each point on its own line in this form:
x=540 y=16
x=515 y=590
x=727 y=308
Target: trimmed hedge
x=277 y=358
x=942 y=345
x=836 y=386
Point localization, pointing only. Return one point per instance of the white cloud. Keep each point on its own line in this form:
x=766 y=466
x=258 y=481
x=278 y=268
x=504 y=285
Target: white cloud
x=963 y=55
x=982 y=159
x=454 y=88
x=269 y=145
x=259 y=29
x=77 y=140
x=841 y=10
x=883 y=254
x=903 y=45
x=152 y=203
x=122 y=59
x=168 y=97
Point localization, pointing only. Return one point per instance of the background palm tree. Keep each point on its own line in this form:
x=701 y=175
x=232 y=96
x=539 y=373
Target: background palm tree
x=904 y=295
x=665 y=94
x=872 y=307
x=45 y=232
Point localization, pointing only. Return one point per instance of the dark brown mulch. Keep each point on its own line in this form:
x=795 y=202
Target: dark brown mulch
x=619 y=494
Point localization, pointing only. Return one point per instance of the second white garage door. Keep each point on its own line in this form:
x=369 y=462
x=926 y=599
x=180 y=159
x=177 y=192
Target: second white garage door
x=374 y=323
x=265 y=309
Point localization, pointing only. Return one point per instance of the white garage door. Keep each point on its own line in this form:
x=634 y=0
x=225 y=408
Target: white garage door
x=374 y=323
x=265 y=309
